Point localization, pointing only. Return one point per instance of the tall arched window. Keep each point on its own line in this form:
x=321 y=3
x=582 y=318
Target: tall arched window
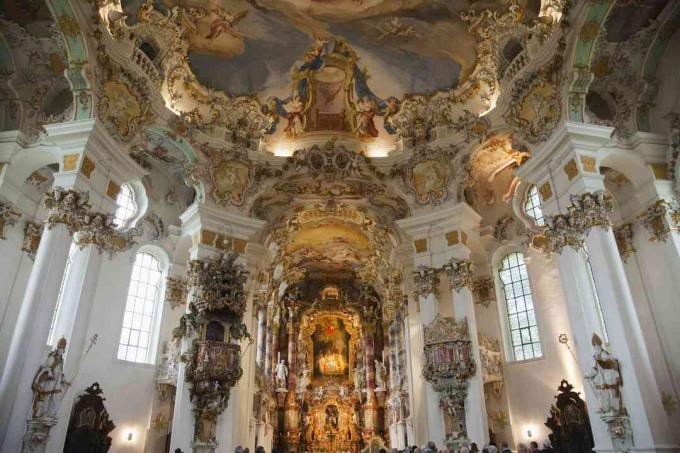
x=126 y=206
x=532 y=206
x=521 y=318
x=140 y=309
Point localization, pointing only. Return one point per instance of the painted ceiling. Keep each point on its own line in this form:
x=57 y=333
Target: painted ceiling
x=250 y=46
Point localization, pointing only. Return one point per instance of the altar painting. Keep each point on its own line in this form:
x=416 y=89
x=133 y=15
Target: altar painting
x=330 y=344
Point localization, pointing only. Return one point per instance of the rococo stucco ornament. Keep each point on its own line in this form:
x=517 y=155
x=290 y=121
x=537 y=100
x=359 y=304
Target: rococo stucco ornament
x=660 y=219
x=449 y=364
x=98 y=229
x=624 y=240
x=217 y=284
x=67 y=207
x=586 y=211
x=459 y=273
x=428 y=174
x=175 y=292
x=425 y=281
x=484 y=291
x=8 y=217
x=32 y=235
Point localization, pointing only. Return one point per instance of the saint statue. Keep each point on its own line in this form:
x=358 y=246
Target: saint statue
x=281 y=374
x=359 y=379
x=606 y=379
x=49 y=383
x=304 y=380
x=380 y=374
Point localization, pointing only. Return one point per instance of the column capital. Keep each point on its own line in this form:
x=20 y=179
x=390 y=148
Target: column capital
x=660 y=219
x=425 y=281
x=460 y=273
x=586 y=211
x=8 y=216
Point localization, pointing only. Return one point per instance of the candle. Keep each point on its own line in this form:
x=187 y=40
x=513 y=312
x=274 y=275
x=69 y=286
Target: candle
x=278 y=357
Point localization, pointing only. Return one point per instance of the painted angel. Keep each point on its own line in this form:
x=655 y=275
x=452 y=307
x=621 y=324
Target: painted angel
x=294 y=109
x=366 y=110
x=225 y=22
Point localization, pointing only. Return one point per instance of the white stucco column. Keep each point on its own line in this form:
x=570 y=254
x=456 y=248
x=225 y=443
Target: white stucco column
x=72 y=323
x=28 y=346
x=460 y=278
x=426 y=282
x=599 y=297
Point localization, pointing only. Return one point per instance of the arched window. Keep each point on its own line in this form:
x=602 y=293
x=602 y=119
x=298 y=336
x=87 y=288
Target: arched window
x=126 y=206
x=140 y=309
x=521 y=318
x=532 y=206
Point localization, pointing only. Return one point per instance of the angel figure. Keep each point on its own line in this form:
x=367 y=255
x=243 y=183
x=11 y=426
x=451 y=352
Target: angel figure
x=225 y=22
x=294 y=109
x=304 y=380
x=395 y=28
x=366 y=110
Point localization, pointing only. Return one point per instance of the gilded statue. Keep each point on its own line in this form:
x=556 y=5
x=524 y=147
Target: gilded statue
x=606 y=379
x=49 y=383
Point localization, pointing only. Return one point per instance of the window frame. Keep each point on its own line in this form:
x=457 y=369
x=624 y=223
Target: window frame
x=504 y=315
x=154 y=333
x=126 y=221
x=526 y=199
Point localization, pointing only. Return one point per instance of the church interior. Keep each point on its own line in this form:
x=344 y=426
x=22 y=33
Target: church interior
x=321 y=226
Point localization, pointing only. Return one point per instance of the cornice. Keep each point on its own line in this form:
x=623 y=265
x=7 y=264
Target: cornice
x=200 y=216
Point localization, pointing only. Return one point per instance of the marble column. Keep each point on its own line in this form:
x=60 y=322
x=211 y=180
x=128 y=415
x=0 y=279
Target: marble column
x=291 y=420
x=268 y=343
x=275 y=352
x=459 y=272
x=426 y=286
x=261 y=332
x=74 y=317
x=371 y=405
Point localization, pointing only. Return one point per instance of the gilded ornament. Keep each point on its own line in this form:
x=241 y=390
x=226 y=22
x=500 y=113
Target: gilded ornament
x=8 y=217
x=546 y=191
x=570 y=169
x=67 y=207
x=87 y=167
x=425 y=280
x=420 y=245
x=175 y=292
x=459 y=273
x=624 y=240
x=71 y=162
x=588 y=164
x=32 y=235
x=589 y=31
x=484 y=291
x=68 y=25
x=660 y=219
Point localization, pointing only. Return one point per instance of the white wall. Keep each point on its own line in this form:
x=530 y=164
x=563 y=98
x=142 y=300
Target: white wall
x=129 y=388
x=530 y=386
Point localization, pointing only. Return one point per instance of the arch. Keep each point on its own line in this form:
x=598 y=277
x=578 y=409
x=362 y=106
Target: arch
x=69 y=27
x=214 y=331
x=632 y=166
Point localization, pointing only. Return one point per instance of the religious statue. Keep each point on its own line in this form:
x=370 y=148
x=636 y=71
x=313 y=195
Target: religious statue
x=342 y=392
x=294 y=110
x=359 y=379
x=318 y=393
x=380 y=375
x=304 y=380
x=49 y=383
x=281 y=374
x=606 y=379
